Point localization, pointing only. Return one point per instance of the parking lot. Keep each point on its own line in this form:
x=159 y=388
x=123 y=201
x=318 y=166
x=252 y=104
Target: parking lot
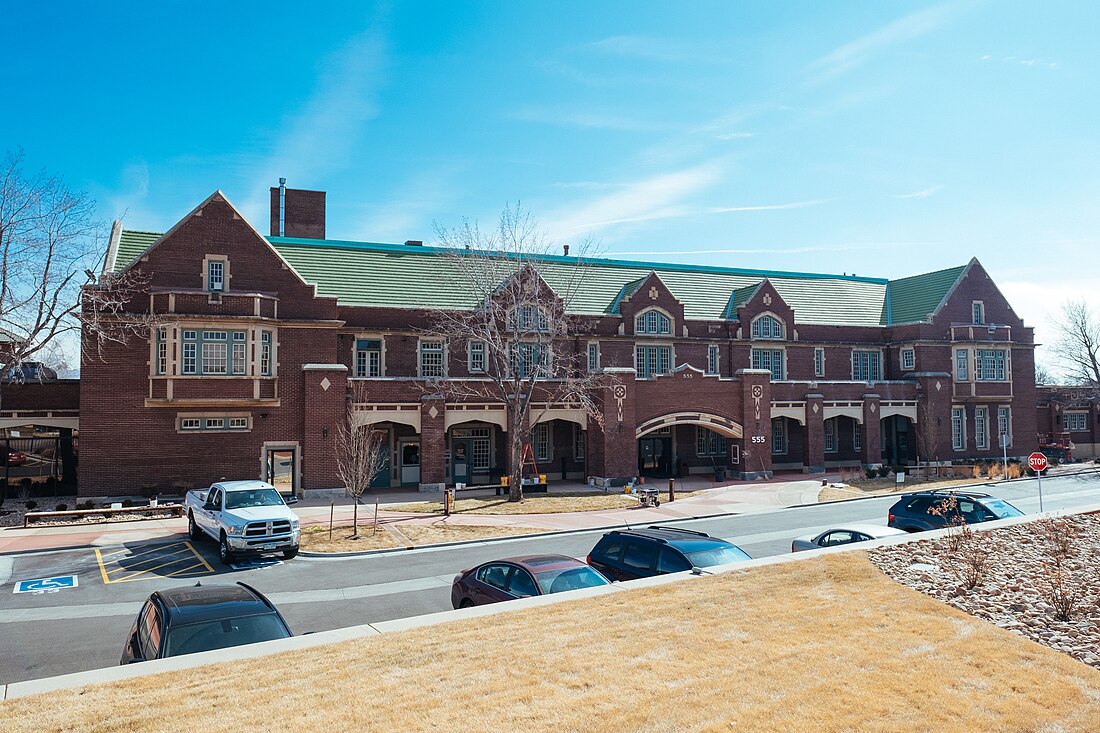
x=144 y=562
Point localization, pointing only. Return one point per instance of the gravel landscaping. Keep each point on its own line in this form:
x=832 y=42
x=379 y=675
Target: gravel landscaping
x=1040 y=579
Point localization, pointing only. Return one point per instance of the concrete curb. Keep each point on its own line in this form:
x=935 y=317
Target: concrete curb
x=115 y=674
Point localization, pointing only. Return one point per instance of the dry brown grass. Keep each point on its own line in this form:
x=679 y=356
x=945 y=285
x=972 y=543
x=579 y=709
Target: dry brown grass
x=316 y=538
x=555 y=503
x=879 y=486
x=826 y=645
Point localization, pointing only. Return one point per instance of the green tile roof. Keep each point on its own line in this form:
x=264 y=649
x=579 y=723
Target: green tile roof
x=396 y=275
x=914 y=298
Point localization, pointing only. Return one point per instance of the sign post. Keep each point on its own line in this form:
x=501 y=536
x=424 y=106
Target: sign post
x=1038 y=463
x=1004 y=448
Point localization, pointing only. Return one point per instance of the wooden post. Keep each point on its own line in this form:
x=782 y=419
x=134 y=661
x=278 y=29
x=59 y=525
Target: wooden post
x=330 y=508
x=672 y=489
x=375 y=516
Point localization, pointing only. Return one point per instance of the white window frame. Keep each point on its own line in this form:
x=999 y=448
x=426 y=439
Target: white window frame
x=267 y=353
x=431 y=347
x=958 y=428
x=593 y=356
x=1004 y=424
x=857 y=438
x=540 y=441
x=528 y=318
x=653 y=322
x=908 y=359
x=714 y=357
x=579 y=438
x=1080 y=422
x=962 y=365
x=831 y=428
x=819 y=361
x=981 y=428
x=758 y=361
x=531 y=358
x=990 y=365
x=477 y=359
x=162 y=351
x=368 y=362
x=768 y=327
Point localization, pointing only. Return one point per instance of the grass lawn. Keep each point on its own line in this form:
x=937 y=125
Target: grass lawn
x=828 y=644
x=316 y=539
x=553 y=503
x=877 y=486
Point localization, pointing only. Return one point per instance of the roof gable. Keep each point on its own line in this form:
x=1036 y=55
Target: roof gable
x=917 y=298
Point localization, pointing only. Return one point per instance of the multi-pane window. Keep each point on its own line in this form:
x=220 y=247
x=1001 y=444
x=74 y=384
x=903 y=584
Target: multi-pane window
x=529 y=318
x=709 y=443
x=190 y=352
x=240 y=352
x=481 y=446
x=368 y=357
x=190 y=423
x=977 y=310
x=215 y=274
x=908 y=359
x=652 y=322
x=652 y=360
x=712 y=359
x=240 y=422
x=214 y=352
x=989 y=365
x=779 y=436
x=593 y=356
x=857 y=438
x=770 y=359
x=215 y=423
x=1004 y=422
x=162 y=351
x=475 y=351
x=265 y=353
x=819 y=362
x=958 y=428
x=431 y=359
x=830 y=435
x=1076 y=421
x=540 y=437
x=962 y=368
x=578 y=442
x=866 y=366
x=767 y=327
x=981 y=428
x=530 y=360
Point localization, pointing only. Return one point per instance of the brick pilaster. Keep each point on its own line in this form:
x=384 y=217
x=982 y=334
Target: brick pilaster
x=871 y=451
x=756 y=420
x=813 y=447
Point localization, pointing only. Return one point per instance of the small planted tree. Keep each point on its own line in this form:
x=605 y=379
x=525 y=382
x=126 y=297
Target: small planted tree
x=928 y=434
x=360 y=455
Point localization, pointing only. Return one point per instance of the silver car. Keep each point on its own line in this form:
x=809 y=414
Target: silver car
x=844 y=535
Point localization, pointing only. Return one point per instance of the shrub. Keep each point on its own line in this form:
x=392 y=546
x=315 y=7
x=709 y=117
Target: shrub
x=32 y=505
x=61 y=507
x=1014 y=471
x=870 y=472
x=127 y=503
x=1063 y=594
x=89 y=504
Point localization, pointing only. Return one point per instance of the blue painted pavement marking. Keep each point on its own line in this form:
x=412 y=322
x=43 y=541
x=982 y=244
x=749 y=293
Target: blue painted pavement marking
x=46 y=585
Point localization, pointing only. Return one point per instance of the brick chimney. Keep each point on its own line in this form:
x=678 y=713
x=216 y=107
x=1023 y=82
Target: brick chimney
x=303 y=212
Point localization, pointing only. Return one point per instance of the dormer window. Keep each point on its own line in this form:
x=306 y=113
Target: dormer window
x=767 y=327
x=528 y=318
x=652 y=323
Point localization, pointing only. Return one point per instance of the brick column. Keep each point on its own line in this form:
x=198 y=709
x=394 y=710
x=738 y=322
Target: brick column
x=756 y=420
x=871 y=452
x=324 y=411
x=433 y=455
x=614 y=447
x=813 y=446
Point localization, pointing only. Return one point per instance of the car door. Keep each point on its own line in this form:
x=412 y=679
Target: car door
x=521 y=584
x=671 y=561
x=639 y=560
x=150 y=631
x=836 y=537
x=211 y=511
x=490 y=584
x=131 y=651
x=607 y=556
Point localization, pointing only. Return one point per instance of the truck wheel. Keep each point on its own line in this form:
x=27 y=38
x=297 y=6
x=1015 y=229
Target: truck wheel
x=224 y=553
x=193 y=530
x=289 y=554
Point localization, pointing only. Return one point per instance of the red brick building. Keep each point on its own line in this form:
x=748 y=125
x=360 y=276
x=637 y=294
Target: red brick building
x=746 y=370
x=1070 y=416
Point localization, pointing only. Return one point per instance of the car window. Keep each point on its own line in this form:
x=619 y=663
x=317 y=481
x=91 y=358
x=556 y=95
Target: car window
x=570 y=578
x=840 y=537
x=522 y=584
x=1002 y=509
x=717 y=555
x=640 y=555
x=919 y=504
x=223 y=633
x=671 y=561
x=495 y=575
x=609 y=551
x=860 y=537
x=256 y=497
x=214 y=497
x=149 y=630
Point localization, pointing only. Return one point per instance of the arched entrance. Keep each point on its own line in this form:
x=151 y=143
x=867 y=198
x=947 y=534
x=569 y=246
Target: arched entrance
x=686 y=442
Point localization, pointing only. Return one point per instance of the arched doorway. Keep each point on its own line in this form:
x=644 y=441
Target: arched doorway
x=687 y=442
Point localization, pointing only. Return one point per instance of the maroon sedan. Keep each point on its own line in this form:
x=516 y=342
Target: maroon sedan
x=519 y=577
x=16 y=458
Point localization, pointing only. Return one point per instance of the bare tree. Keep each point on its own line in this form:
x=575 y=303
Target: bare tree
x=51 y=246
x=516 y=329
x=928 y=432
x=361 y=453
x=1078 y=343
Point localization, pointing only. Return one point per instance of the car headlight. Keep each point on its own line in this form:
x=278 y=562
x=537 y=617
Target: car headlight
x=234 y=531
x=295 y=524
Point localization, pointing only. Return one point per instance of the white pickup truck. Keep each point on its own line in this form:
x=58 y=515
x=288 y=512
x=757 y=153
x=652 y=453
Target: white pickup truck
x=245 y=517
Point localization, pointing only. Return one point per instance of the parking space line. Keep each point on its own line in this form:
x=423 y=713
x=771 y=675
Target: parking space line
x=121 y=569
x=165 y=556
x=200 y=557
x=102 y=570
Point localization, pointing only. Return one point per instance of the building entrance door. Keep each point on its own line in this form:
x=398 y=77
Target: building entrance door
x=282 y=468
x=655 y=457
x=461 y=456
x=382 y=478
x=410 y=462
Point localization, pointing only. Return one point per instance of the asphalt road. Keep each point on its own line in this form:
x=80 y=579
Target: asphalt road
x=75 y=629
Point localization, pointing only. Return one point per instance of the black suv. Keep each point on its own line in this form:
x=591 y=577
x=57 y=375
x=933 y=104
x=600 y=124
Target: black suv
x=626 y=554
x=935 y=510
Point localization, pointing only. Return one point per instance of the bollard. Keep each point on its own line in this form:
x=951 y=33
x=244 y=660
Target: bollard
x=672 y=489
x=446 y=502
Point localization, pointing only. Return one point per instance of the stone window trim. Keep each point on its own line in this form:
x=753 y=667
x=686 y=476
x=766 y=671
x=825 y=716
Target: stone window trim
x=207 y=285
x=907 y=359
x=540 y=439
x=714 y=360
x=754 y=361
x=430 y=347
x=1004 y=424
x=977 y=313
x=528 y=318
x=654 y=321
x=593 y=356
x=992 y=365
x=981 y=427
x=819 y=361
x=767 y=326
x=358 y=346
x=172 y=347
x=214 y=422
x=958 y=428
x=477 y=356
x=962 y=365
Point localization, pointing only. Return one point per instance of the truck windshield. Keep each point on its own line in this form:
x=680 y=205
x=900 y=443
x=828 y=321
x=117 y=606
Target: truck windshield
x=253 y=497
x=203 y=637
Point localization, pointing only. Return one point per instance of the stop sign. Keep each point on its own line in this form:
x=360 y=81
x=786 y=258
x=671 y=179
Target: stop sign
x=1037 y=461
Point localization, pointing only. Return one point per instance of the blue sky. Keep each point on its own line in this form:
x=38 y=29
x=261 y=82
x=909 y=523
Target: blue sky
x=883 y=138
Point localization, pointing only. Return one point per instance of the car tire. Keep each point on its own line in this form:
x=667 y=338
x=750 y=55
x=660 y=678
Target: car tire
x=193 y=530
x=466 y=603
x=656 y=503
x=290 y=554
x=224 y=553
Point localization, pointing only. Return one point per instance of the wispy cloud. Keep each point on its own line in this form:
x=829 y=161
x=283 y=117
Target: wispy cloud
x=1016 y=60
x=858 y=52
x=318 y=138
x=131 y=193
x=656 y=49
x=765 y=207
x=410 y=207
x=922 y=194
x=590 y=119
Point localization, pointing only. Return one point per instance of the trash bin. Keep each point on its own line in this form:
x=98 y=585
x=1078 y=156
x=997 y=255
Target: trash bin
x=719 y=473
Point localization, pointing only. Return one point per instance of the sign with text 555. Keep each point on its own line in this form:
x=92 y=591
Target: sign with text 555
x=758 y=439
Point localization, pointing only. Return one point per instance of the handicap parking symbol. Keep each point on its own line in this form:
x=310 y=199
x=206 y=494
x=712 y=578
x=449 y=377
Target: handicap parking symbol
x=46 y=585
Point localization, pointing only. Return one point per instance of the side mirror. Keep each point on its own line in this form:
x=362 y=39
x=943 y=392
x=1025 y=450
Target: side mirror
x=290 y=500
x=209 y=507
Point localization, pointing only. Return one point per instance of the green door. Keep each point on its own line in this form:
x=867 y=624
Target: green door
x=382 y=478
x=462 y=454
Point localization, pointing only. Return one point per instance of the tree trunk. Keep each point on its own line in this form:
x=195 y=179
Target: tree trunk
x=355 y=518
x=515 y=483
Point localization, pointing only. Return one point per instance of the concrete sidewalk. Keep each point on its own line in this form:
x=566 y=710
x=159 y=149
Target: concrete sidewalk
x=731 y=498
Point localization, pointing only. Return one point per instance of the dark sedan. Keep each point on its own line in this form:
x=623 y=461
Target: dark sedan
x=200 y=618
x=520 y=577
